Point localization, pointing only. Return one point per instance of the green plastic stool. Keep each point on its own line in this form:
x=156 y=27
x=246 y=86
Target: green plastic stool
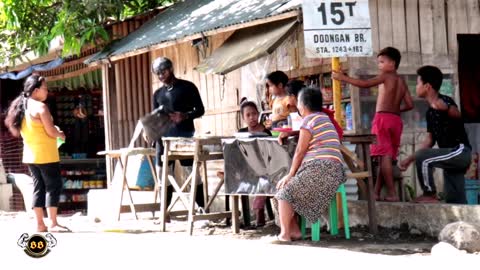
x=333 y=218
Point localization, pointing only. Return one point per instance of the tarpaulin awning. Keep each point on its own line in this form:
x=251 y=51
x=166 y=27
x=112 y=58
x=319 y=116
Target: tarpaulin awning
x=247 y=45
x=26 y=72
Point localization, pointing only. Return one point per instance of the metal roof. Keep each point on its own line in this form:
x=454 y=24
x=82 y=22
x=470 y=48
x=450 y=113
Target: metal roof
x=193 y=17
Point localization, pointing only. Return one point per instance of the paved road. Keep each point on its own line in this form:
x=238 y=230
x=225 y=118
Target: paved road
x=95 y=248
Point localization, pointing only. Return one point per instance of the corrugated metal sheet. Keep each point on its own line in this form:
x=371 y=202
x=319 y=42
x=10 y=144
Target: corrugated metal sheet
x=247 y=45
x=192 y=17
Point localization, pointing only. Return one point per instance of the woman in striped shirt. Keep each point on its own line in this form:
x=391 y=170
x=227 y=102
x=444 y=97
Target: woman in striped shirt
x=316 y=171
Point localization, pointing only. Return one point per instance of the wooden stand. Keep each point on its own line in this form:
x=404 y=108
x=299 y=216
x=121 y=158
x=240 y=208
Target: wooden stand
x=118 y=188
x=362 y=169
x=188 y=148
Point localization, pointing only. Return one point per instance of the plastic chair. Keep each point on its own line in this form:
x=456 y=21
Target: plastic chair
x=333 y=218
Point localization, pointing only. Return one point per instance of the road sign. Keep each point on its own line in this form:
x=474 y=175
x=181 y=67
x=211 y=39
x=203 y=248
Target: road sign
x=337 y=28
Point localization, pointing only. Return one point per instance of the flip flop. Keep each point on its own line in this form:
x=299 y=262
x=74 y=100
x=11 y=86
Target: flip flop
x=276 y=240
x=59 y=229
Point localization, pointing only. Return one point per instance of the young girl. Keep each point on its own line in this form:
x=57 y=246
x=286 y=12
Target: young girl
x=29 y=117
x=250 y=113
x=282 y=103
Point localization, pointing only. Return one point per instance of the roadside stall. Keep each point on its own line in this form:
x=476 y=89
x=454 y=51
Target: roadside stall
x=228 y=71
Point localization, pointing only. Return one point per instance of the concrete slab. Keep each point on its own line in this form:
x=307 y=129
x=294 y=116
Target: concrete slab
x=427 y=218
x=6 y=192
x=101 y=203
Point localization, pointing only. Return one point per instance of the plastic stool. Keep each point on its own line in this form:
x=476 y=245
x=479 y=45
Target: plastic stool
x=333 y=218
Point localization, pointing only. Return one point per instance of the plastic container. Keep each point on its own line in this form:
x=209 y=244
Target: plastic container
x=60 y=142
x=348 y=116
x=472 y=190
x=275 y=133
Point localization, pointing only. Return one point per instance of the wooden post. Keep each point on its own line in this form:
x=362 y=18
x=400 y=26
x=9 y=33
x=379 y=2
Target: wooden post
x=337 y=106
x=337 y=91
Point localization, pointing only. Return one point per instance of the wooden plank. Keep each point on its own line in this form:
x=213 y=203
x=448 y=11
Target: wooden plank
x=399 y=25
x=212 y=216
x=107 y=119
x=218 y=104
x=113 y=116
x=135 y=70
x=147 y=84
x=372 y=213
x=373 y=7
x=473 y=9
x=358 y=175
x=224 y=110
x=72 y=74
x=140 y=92
x=426 y=27
x=440 y=28
x=462 y=17
x=451 y=27
x=211 y=125
x=235 y=214
x=218 y=90
x=119 y=101
x=128 y=101
x=132 y=110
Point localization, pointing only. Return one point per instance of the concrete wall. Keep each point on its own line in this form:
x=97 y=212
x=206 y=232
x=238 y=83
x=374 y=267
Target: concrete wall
x=428 y=218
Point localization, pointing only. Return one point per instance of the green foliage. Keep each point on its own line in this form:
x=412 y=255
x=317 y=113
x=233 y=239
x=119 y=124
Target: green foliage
x=32 y=24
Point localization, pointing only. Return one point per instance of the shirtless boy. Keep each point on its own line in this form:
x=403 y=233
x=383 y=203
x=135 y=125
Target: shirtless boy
x=387 y=124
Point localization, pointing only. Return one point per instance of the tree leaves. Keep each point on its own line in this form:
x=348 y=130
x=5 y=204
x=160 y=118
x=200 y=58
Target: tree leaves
x=32 y=24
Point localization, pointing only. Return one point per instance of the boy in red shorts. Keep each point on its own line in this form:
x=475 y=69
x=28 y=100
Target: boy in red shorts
x=387 y=124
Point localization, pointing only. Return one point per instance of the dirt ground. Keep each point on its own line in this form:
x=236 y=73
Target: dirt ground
x=387 y=241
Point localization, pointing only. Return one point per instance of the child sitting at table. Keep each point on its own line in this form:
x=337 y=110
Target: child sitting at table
x=250 y=113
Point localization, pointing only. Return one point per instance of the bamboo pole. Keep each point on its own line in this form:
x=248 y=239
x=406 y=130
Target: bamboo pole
x=337 y=106
x=337 y=91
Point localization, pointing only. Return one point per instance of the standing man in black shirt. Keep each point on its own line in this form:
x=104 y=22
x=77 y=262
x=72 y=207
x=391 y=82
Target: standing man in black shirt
x=445 y=128
x=181 y=100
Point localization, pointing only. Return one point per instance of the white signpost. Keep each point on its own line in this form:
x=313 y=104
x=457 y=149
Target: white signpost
x=337 y=28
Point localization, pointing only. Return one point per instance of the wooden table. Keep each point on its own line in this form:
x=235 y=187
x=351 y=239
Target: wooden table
x=200 y=149
x=361 y=169
x=122 y=155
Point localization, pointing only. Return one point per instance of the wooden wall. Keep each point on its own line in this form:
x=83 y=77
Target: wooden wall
x=425 y=32
x=220 y=94
x=127 y=90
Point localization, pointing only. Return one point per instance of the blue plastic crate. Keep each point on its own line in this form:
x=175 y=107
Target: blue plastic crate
x=472 y=190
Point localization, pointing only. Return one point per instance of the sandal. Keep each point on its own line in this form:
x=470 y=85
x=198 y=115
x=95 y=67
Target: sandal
x=276 y=240
x=59 y=229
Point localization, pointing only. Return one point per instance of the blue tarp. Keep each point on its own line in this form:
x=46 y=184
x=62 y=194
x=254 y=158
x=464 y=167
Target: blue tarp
x=26 y=72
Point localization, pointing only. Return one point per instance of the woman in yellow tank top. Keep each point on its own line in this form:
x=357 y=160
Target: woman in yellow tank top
x=29 y=117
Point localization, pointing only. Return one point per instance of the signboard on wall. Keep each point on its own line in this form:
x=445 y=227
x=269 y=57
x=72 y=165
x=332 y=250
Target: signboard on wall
x=337 y=28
